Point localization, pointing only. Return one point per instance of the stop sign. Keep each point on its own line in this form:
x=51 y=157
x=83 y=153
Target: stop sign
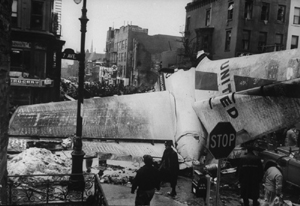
x=222 y=140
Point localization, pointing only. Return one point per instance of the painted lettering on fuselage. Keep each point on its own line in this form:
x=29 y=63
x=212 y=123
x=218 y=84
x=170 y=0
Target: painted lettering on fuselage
x=226 y=88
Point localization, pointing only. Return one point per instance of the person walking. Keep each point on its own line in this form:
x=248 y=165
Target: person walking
x=146 y=181
x=273 y=180
x=169 y=167
x=250 y=175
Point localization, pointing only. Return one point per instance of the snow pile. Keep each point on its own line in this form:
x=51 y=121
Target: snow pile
x=35 y=161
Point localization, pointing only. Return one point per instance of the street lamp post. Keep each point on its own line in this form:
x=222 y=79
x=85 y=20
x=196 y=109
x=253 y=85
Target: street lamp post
x=77 y=180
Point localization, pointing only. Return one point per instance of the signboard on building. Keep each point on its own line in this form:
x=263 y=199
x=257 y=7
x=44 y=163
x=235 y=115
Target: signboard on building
x=31 y=82
x=69 y=54
x=21 y=44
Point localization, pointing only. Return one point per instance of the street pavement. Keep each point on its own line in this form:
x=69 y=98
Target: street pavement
x=120 y=195
x=229 y=193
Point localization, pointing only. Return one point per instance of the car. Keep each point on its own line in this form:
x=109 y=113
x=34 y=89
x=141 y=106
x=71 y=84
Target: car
x=288 y=160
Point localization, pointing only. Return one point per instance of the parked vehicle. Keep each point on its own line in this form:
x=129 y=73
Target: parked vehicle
x=288 y=160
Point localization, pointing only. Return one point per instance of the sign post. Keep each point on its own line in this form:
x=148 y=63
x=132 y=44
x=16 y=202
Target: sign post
x=221 y=143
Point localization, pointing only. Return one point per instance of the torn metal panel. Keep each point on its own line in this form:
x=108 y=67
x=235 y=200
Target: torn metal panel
x=136 y=149
x=241 y=73
x=257 y=115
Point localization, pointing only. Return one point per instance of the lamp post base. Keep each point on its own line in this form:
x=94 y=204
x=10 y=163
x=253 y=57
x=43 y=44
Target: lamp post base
x=76 y=182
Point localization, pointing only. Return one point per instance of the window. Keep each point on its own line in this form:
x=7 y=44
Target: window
x=227 y=40
x=14 y=13
x=246 y=39
x=265 y=9
x=20 y=60
x=125 y=56
x=281 y=13
x=296 y=16
x=39 y=67
x=207 y=20
x=278 y=42
x=37 y=10
x=230 y=11
x=187 y=25
x=262 y=41
x=248 y=9
x=294 y=43
x=205 y=43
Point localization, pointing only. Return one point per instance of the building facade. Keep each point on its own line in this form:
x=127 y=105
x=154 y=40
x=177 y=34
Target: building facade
x=36 y=49
x=294 y=25
x=237 y=27
x=137 y=54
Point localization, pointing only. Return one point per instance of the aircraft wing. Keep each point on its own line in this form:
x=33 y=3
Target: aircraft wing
x=258 y=110
x=148 y=116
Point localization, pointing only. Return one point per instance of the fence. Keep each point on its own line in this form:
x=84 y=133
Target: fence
x=56 y=189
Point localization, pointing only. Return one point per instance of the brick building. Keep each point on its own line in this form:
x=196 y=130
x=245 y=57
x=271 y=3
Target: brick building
x=36 y=49
x=137 y=54
x=234 y=28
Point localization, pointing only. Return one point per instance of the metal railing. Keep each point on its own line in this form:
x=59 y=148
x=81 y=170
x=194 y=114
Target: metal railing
x=56 y=189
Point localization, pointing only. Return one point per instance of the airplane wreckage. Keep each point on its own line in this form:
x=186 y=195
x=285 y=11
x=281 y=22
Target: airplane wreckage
x=257 y=94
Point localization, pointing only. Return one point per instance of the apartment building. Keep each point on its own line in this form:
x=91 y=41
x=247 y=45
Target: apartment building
x=294 y=25
x=238 y=27
x=137 y=54
x=36 y=48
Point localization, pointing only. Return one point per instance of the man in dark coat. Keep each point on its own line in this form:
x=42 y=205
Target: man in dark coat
x=250 y=174
x=169 y=167
x=146 y=180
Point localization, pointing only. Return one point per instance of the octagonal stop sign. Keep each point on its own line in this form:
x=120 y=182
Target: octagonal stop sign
x=222 y=140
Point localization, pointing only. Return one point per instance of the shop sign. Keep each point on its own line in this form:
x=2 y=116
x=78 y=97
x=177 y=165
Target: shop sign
x=21 y=44
x=40 y=46
x=30 y=82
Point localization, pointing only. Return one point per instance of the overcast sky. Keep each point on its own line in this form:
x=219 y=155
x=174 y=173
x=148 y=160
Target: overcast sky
x=158 y=16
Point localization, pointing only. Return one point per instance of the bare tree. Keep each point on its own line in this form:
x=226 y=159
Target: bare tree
x=189 y=52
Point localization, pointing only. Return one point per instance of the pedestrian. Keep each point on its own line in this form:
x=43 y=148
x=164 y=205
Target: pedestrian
x=291 y=138
x=273 y=180
x=169 y=167
x=146 y=181
x=250 y=175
